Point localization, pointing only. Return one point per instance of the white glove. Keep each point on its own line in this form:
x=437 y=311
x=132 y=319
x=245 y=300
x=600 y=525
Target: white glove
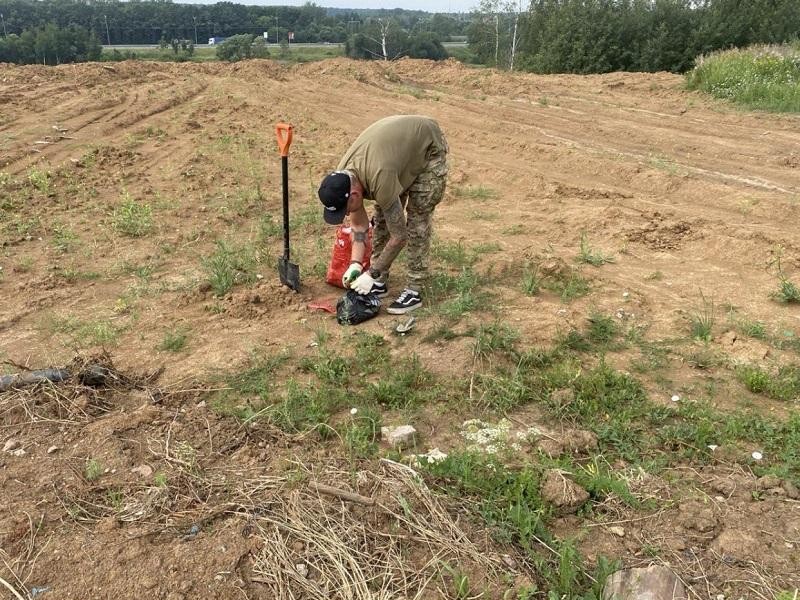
x=353 y=271
x=364 y=283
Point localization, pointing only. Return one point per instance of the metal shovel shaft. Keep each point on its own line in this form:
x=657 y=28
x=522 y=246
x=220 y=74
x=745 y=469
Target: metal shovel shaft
x=285 y=175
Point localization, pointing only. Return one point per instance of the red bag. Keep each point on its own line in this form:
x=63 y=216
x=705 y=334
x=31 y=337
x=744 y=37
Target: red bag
x=340 y=260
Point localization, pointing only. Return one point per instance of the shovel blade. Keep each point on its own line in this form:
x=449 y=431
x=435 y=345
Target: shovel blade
x=289 y=274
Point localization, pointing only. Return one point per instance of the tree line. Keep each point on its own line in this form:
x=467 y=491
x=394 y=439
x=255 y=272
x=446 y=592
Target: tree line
x=148 y=22
x=599 y=36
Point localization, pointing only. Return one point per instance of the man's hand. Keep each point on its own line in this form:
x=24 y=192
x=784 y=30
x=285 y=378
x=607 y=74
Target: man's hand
x=352 y=273
x=364 y=283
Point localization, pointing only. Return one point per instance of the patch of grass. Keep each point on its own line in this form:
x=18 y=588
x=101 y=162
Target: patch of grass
x=591 y=256
x=307 y=218
x=503 y=391
x=517 y=229
x=455 y=295
x=64 y=239
x=783 y=384
x=531 y=280
x=475 y=192
x=328 y=366
x=602 y=329
x=599 y=479
x=133 y=218
x=41 y=180
x=371 y=353
x=24 y=265
x=702 y=322
x=229 y=266
x=174 y=340
x=442 y=332
x=508 y=500
x=753 y=329
x=268 y=229
x=569 y=286
x=306 y=408
x=454 y=254
x=248 y=390
x=362 y=432
x=493 y=338
x=82 y=334
x=407 y=385
x=92 y=470
x=71 y=275
x=22 y=226
x=787 y=292
x=759 y=77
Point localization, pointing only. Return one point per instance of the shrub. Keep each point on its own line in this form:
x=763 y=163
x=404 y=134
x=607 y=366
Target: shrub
x=242 y=47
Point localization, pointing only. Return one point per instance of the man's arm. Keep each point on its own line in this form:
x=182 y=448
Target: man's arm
x=359 y=221
x=396 y=224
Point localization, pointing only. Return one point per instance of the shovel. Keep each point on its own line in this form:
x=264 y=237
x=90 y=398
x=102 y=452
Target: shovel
x=288 y=271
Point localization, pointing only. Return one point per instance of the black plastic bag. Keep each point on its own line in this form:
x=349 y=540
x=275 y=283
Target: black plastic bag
x=354 y=308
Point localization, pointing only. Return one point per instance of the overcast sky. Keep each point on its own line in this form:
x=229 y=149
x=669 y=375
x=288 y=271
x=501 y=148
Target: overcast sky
x=427 y=5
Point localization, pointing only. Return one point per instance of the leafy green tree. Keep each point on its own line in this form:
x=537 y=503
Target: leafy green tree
x=426 y=45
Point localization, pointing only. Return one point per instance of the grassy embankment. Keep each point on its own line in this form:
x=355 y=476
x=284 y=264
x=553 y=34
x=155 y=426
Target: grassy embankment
x=759 y=77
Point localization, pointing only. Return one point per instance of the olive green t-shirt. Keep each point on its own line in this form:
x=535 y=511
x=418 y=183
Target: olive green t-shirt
x=390 y=153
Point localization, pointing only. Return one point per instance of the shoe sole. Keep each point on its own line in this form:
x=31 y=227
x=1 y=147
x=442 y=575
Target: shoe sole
x=403 y=310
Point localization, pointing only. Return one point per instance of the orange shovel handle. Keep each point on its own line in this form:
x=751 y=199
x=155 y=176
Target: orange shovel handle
x=283 y=132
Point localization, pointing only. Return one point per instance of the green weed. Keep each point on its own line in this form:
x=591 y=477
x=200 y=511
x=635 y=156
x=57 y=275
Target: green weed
x=783 y=384
x=478 y=192
x=268 y=229
x=602 y=329
x=787 y=293
x=133 y=218
x=362 y=432
x=407 y=385
x=41 y=180
x=702 y=322
x=255 y=382
x=92 y=470
x=494 y=337
x=531 y=280
x=174 y=340
x=82 y=334
x=455 y=295
x=70 y=274
x=516 y=229
x=371 y=352
x=64 y=239
x=590 y=256
x=569 y=286
x=503 y=391
x=229 y=266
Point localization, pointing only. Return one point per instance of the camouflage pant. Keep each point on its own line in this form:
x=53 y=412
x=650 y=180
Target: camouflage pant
x=419 y=201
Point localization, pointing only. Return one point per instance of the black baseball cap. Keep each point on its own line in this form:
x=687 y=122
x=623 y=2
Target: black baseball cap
x=334 y=192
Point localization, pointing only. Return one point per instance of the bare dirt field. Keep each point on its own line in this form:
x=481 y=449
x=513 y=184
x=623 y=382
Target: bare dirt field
x=609 y=259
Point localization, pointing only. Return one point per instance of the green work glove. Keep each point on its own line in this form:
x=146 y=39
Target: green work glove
x=352 y=273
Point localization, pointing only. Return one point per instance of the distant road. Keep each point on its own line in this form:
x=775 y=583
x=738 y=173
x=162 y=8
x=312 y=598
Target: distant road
x=153 y=46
